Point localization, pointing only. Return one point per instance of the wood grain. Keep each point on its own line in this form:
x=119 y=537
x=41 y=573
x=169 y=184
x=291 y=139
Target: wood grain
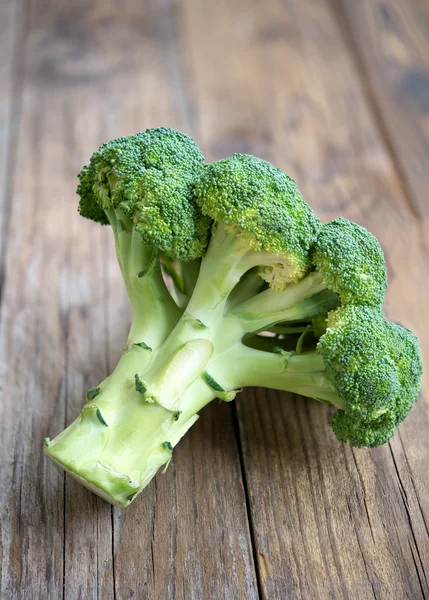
x=12 y=37
x=329 y=522
x=392 y=42
x=93 y=75
x=32 y=377
x=190 y=539
x=264 y=477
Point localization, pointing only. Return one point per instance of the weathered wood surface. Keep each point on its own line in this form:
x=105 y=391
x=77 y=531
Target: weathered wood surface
x=328 y=521
x=93 y=74
x=264 y=478
x=392 y=39
x=12 y=34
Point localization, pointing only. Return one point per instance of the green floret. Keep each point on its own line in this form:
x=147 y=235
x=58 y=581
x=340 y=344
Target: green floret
x=358 y=348
x=367 y=367
x=149 y=177
x=259 y=201
x=351 y=262
x=89 y=207
x=360 y=432
x=387 y=388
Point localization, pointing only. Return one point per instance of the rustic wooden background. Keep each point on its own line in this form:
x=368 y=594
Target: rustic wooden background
x=260 y=501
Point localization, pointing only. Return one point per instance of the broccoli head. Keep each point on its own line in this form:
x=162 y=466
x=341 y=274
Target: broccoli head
x=264 y=206
x=149 y=177
x=376 y=370
x=351 y=262
x=366 y=366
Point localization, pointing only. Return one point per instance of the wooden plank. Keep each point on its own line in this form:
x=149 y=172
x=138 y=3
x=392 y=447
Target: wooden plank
x=191 y=524
x=13 y=544
x=392 y=43
x=32 y=381
x=94 y=73
x=12 y=36
x=88 y=539
x=277 y=80
x=186 y=544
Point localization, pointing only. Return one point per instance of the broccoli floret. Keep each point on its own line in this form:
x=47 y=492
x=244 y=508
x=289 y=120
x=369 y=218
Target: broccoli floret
x=149 y=177
x=260 y=293
x=348 y=267
x=351 y=262
x=366 y=366
x=142 y=185
x=377 y=371
x=262 y=207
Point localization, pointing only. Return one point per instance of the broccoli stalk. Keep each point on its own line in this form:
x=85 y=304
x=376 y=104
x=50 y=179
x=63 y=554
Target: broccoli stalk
x=302 y=374
x=119 y=441
x=163 y=163
x=183 y=277
x=153 y=309
x=246 y=255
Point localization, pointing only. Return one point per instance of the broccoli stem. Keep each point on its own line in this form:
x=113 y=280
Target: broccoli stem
x=183 y=275
x=302 y=374
x=165 y=384
x=229 y=256
x=240 y=322
x=129 y=427
x=266 y=343
x=173 y=268
x=154 y=311
x=297 y=301
x=249 y=285
x=168 y=375
x=287 y=330
x=138 y=414
x=120 y=440
x=190 y=271
x=220 y=271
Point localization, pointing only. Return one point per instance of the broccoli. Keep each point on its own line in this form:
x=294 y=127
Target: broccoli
x=362 y=364
x=259 y=293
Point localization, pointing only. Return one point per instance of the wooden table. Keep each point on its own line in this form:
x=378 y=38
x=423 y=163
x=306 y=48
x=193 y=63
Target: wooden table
x=260 y=501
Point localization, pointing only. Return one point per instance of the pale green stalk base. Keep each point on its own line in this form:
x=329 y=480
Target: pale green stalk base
x=115 y=445
x=120 y=440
